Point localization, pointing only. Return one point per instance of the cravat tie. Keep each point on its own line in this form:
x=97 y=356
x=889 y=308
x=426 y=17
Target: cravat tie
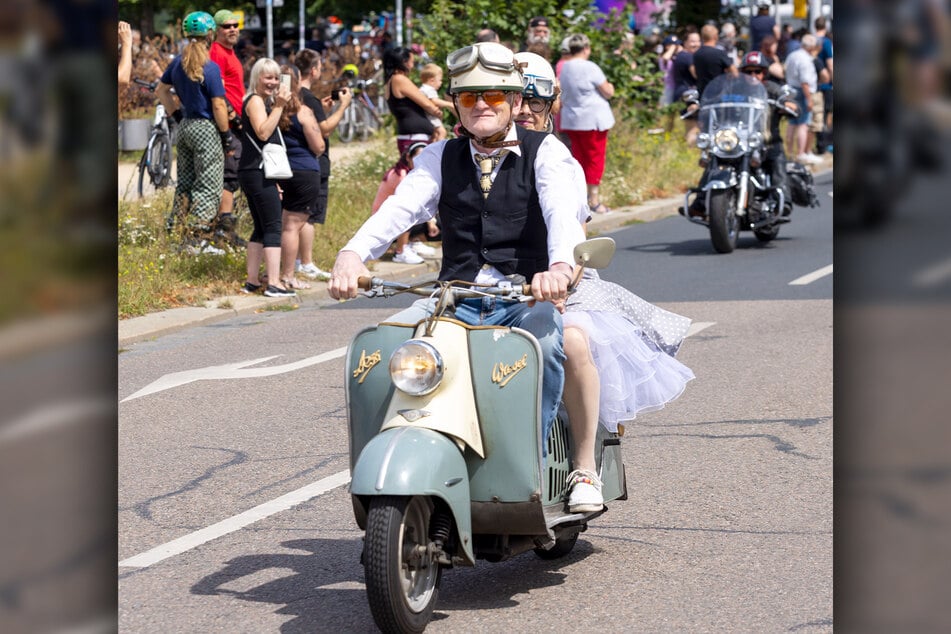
x=487 y=163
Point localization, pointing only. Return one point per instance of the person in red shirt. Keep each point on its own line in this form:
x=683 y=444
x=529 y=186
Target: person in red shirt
x=232 y=74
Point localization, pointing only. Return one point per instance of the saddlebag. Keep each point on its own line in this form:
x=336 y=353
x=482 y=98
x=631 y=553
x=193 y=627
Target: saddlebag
x=801 y=186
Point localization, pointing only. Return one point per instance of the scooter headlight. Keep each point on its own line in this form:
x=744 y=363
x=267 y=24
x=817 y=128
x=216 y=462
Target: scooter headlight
x=726 y=140
x=416 y=368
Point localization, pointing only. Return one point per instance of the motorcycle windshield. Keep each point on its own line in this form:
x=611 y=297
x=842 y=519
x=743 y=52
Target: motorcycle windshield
x=738 y=103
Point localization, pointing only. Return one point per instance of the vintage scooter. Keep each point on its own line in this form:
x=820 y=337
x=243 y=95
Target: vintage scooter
x=446 y=455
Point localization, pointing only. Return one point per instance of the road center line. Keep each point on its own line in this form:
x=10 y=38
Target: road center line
x=237 y=522
x=809 y=278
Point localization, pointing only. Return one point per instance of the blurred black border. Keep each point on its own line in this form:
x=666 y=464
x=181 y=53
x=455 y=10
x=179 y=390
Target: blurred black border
x=58 y=326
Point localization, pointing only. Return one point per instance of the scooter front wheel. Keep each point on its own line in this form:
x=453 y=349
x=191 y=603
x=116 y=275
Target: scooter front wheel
x=402 y=576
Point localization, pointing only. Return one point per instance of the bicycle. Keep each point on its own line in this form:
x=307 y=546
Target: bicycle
x=156 y=161
x=362 y=118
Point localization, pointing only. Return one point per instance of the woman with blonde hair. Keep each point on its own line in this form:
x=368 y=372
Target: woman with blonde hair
x=268 y=108
x=203 y=133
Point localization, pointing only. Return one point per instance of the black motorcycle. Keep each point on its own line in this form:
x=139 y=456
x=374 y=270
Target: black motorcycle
x=736 y=193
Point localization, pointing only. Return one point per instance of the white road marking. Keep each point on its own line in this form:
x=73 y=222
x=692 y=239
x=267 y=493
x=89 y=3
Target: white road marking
x=236 y=370
x=809 y=278
x=230 y=525
x=933 y=275
x=698 y=326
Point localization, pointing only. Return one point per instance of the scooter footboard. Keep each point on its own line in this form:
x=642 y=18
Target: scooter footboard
x=410 y=461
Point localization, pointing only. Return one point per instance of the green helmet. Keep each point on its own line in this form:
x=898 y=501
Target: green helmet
x=483 y=66
x=198 y=24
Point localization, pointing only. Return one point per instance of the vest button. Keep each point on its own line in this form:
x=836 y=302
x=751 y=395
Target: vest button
x=485 y=250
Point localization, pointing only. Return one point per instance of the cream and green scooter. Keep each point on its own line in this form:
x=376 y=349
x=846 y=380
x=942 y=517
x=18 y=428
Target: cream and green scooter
x=446 y=449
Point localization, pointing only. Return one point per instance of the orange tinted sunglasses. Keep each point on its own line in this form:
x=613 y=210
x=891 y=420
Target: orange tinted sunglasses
x=494 y=98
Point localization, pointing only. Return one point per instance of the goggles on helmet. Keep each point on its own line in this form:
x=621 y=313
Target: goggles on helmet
x=492 y=57
x=536 y=86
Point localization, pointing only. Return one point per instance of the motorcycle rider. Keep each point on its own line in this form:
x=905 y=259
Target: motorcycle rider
x=509 y=206
x=756 y=66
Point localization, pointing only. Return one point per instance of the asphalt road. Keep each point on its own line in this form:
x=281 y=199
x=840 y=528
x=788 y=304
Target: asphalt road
x=234 y=516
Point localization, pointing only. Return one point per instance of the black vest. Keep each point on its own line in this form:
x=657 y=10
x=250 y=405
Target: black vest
x=507 y=229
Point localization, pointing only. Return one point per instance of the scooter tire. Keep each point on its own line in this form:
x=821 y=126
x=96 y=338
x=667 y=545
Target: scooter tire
x=562 y=547
x=402 y=594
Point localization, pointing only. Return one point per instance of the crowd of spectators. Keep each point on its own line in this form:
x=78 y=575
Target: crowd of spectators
x=686 y=59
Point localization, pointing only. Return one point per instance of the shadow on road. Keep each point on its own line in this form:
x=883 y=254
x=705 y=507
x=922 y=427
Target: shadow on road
x=323 y=586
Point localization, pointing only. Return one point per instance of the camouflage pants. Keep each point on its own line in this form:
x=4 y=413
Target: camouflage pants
x=200 y=170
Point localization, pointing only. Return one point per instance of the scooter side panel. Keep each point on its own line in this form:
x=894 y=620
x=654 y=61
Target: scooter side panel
x=507 y=382
x=410 y=461
x=367 y=381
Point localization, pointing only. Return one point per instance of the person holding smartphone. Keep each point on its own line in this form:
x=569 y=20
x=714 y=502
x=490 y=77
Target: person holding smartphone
x=310 y=65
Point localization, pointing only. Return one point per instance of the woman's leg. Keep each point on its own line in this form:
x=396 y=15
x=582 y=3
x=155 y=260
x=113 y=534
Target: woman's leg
x=290 y=238
x=581 y=396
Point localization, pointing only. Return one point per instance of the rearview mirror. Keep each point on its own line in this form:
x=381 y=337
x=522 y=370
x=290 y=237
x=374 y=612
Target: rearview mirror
x=595 y=253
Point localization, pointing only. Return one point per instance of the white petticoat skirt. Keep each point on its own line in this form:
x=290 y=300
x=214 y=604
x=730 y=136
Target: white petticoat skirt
x=636 y=375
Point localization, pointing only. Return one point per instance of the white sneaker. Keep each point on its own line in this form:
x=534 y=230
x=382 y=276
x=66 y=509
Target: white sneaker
x=311 y=271
x=407 y=256
x=584 y=495
x=423 y=250
x=808 y=157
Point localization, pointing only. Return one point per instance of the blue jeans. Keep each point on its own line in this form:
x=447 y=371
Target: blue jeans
x=542 y=320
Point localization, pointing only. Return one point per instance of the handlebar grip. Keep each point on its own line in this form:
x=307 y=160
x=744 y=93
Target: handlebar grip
x=526 y=289
x=365 y=282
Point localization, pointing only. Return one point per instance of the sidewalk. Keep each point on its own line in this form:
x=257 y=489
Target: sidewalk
x=165 y=322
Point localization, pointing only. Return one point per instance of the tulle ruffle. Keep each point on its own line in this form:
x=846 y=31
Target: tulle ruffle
x=636 y=375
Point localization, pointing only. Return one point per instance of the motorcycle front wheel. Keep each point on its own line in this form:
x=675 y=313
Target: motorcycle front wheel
x=724 y=225
x=402 y=578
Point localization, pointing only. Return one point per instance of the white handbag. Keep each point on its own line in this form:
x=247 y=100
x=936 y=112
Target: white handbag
x=274 y=159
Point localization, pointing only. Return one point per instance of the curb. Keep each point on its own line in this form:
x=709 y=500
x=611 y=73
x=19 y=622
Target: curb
x=154 y=325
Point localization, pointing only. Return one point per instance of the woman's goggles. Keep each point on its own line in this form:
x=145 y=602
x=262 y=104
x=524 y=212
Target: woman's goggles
x=535 y=86
x=494 y=98
x=492 y=57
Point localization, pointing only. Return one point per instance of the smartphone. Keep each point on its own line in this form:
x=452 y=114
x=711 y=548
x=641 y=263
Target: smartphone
x=335 y=94
x=286 y=80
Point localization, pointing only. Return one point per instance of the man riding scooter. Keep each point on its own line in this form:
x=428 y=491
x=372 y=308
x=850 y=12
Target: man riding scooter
x=756 y=65
x=509 y=206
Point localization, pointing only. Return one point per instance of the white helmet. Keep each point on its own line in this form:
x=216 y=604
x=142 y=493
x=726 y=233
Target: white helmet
x=538 y=77
x=483 y=66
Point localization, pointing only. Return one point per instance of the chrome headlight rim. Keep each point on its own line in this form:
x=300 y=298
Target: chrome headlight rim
x=416 y=367
x=726 y=140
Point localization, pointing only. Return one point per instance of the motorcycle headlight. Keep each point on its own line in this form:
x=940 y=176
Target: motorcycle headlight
x=703 y=140
x=416 y=368
x=726 y=140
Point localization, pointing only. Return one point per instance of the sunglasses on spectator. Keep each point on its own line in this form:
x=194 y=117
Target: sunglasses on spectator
x=755 y=71
x=494 y=98
x=228 y=26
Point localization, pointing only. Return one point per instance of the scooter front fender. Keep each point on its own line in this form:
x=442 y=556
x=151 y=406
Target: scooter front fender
x=409 y=461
